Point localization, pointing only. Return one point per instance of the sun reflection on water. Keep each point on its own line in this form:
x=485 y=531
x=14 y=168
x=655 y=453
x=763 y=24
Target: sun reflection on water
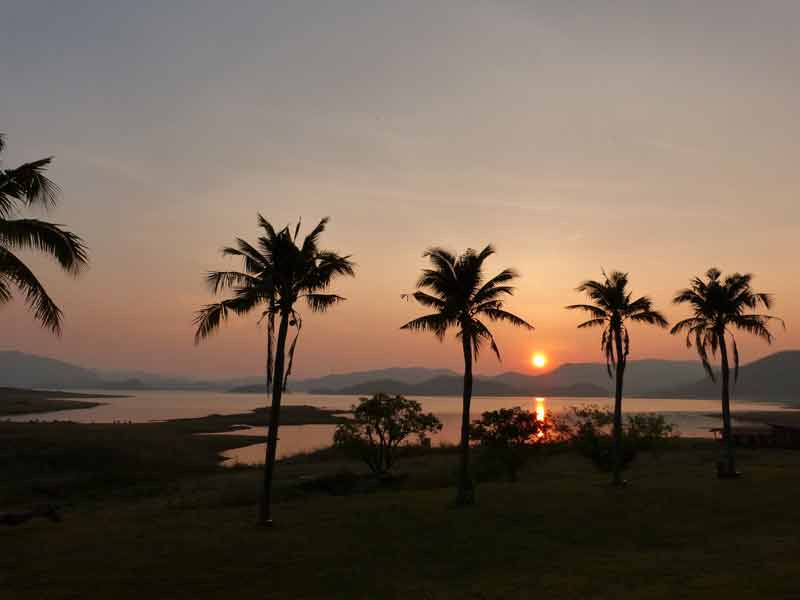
x=540 y=409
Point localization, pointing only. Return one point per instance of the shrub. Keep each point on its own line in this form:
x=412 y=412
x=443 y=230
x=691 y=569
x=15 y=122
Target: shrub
x=510 y=435
x=380 y=425
x=589 y=428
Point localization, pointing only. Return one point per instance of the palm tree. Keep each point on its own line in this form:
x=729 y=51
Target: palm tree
x=460 y=298
x=277 y=273
x=24 y=187
x=718 y=307
x=611 y=307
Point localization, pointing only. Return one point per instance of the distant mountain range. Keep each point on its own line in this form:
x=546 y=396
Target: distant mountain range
x=18 y=369
x=578 y=379
x=774 y=377
x=404 y=375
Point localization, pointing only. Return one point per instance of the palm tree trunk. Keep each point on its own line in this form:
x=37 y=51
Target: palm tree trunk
x=617 y=432
x=265 y=505
x=466 y=490
x=727 y=433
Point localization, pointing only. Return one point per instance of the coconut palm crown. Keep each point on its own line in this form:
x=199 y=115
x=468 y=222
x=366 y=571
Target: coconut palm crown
x=718 y=306
x=460 y=298
x=277 y=273
x=27 y=187
x=613 y=305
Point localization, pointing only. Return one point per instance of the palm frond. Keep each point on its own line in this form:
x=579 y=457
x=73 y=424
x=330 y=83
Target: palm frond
x=266 y=226
x=253 y=261
x=595 y=311
x=219 y=280
x=481 y=335
x=312 y=239
x=593 y=323
x=686 y=324
x=429 y=300
x=28 y=185
x=328 y=266
x=14 y=271
x=208 y=319
x=753 y=324
x=322 y=302
x=65 y=247
x=651 y=317
x=435 y=323
x=497 y=314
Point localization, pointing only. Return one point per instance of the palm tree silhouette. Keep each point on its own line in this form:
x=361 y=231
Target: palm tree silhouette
x=23 y=187
x=277 y=273
x=718 y=306
x=460 y=297
x=611 y=307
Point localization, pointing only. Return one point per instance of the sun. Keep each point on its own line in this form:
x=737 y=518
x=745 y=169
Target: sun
x=538 y=360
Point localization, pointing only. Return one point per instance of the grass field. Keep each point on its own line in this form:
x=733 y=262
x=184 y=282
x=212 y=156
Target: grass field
x=184 y=530
x=72 y=462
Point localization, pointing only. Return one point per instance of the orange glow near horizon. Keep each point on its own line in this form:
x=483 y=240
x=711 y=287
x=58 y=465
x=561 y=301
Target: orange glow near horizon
x=539 y=360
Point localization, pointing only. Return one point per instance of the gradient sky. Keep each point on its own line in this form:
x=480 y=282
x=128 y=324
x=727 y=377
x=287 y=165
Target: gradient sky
x=655 y=137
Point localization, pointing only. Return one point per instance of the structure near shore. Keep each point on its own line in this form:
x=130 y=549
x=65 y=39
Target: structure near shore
x=763 y=435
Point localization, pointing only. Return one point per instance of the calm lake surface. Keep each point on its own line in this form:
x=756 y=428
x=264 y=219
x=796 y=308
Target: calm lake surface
x=143 y=406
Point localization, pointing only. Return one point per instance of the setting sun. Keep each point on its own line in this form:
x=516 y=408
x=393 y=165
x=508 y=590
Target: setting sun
x=538 y=360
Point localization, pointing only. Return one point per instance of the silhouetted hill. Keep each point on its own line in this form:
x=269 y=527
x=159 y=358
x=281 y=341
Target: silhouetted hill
x=584 y=379
x=443 y=385
x=570 y=379
x=451 y=385
x=331 y=383
x=641 y=376
x=18 y=369
x=21 y=370
x=774 y=377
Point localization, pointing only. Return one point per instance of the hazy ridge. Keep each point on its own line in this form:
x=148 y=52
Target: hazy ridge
x=771 y=378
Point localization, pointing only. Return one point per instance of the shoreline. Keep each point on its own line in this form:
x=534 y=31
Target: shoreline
x=21 y=401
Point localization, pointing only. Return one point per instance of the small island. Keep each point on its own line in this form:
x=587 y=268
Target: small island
x=19 y=401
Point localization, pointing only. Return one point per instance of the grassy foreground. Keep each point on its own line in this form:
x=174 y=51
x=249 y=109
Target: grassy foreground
x=561 y=532
x=76 y=463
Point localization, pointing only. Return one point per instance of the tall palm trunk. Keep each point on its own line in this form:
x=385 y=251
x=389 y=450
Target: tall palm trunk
x=617 y=433
x=727 y=434
x=265 y=505
x=466 y=490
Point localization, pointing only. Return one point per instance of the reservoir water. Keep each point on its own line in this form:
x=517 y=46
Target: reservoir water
x=690 y=416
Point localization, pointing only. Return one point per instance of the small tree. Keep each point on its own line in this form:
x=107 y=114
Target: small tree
x=509 y=434
x=380 y=425
x=650 y=432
